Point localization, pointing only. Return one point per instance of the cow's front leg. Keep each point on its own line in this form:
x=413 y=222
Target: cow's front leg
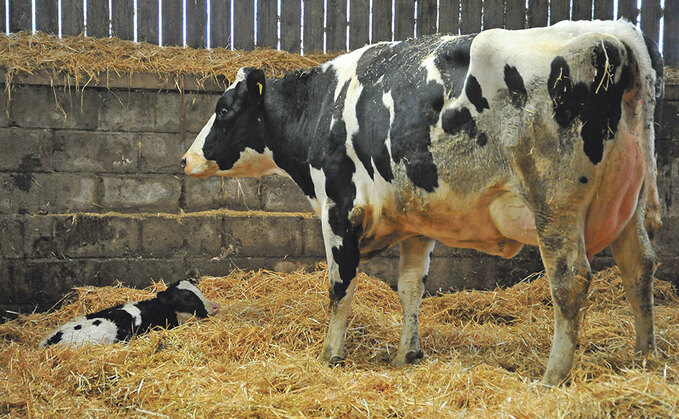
x=567 y=266
x=413 y=267
x=341 y=246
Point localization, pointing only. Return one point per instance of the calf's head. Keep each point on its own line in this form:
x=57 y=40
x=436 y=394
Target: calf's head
x=185 y=299
x=233 y=142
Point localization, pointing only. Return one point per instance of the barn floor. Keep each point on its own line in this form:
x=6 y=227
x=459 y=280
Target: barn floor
x=485 y=352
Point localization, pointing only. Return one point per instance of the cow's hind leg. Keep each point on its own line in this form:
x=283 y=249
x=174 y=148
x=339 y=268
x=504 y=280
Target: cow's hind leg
x=413 y=268
x=563 y=252
x=341 y=246
x=637 y=262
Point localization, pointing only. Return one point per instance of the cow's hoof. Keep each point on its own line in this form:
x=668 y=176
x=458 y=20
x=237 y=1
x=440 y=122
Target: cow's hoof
x=413 y=356
x=336 y=361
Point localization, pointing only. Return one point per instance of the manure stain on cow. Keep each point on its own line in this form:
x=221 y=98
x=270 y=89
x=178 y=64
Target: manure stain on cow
x=24 y=176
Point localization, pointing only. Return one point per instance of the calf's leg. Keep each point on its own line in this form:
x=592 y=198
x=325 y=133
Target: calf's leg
x=637 y=262
x=413 y=267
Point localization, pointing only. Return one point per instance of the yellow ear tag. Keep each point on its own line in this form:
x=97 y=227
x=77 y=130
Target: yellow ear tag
x=260 y=88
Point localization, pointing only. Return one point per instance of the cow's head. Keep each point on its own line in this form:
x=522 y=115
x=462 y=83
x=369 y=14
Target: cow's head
x=186 y=300
x=233 y=142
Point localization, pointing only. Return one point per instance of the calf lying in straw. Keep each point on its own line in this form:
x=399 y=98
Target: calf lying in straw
x=170 y=308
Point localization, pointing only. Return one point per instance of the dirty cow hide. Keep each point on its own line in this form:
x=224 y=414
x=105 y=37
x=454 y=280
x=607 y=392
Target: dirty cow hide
x=541 y=137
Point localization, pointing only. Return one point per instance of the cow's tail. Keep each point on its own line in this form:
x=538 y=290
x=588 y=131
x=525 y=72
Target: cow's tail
x=654 y=90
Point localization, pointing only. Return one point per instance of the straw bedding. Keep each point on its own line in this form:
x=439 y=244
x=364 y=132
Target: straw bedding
x=485 y=352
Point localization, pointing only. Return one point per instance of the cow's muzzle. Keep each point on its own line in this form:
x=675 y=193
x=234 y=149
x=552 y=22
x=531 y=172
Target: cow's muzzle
x=196 y=166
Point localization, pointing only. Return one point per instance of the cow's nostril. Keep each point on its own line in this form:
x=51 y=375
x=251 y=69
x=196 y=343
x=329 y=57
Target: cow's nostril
x=184 y=163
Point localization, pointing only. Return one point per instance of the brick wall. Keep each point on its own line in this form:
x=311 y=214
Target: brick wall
x=93 y=194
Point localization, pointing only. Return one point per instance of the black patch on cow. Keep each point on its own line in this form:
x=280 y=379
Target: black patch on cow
x=424 y=279
x=583 y=179
x=603 y=108
x=410 y=132
x=482 y=139
x=517 y=89
x=23 y=178
x=475 y=94
x=452 y=61
x=458 y=120
x=55 y=338
x=565 y=102
x=77 y=327
x=598 y=105
x=96 y=322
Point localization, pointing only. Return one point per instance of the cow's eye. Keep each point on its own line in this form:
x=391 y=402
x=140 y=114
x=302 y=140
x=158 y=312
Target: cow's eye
x=221 y=112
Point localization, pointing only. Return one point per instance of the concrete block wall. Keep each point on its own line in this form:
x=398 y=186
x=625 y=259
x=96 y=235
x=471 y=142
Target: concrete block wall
x=93 y=193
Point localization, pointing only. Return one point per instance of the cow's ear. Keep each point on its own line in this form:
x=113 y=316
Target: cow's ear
x=256 y=85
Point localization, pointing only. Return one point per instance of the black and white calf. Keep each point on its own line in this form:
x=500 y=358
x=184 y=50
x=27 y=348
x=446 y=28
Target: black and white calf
x=170 y=308
x=540 y=137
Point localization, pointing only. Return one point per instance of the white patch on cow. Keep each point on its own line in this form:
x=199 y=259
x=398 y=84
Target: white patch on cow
x=315 y=205
x=134 y=311
x=330 y=239
x=344 y=67
x=240 y=76
x=81 y=330
x=195 y=152
x=318 y=180
x=209 y=306
x=199 y=142
x=433 y=73
x=360 y=178
x=388 y=101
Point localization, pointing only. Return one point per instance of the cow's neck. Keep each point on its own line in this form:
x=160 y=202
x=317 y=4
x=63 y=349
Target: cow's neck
x=286 y=100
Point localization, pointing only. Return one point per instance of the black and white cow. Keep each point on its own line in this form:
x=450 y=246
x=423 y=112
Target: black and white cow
x=542 y=137
x=170 y=308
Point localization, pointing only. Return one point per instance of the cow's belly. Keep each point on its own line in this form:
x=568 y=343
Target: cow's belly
x=496 y=223
x=616 y=199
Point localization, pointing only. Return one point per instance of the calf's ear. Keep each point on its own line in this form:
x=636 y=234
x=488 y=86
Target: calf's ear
x=164 y=296
x=256 y=83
